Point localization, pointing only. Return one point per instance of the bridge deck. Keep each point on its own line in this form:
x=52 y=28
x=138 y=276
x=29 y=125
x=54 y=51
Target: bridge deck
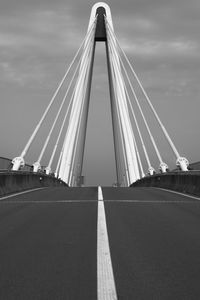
x=49 y=244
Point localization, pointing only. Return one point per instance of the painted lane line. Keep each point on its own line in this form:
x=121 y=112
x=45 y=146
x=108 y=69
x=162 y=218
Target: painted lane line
x=100 y=194
x=153 y=201
x=106 y=289
x=20 y=193
x=89 y=201
x=47 y=201
x=178 y=193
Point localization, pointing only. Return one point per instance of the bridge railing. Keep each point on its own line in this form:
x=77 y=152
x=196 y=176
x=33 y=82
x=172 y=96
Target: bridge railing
x=185 y=182
x=17 y=181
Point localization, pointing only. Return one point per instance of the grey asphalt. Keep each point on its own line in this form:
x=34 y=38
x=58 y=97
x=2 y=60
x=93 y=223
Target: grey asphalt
x=48 y=249
x=154 y=243
x=48 y=244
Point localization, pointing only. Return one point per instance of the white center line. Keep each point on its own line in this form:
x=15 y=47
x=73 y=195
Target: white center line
x=106 y=289
x=100 y=194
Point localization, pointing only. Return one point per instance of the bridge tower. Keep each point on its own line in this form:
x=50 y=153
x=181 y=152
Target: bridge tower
x=119 y=108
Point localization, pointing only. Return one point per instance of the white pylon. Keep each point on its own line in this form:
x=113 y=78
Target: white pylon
x=120 y=100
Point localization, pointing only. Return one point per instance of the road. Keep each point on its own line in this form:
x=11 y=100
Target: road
x=48 y=244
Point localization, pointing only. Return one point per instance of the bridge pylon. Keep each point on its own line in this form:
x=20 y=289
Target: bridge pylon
x=120 y=115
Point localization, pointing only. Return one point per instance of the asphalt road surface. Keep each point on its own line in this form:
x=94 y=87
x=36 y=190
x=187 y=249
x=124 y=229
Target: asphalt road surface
x=48 y=244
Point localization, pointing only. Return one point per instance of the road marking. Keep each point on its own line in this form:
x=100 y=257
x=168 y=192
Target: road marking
x=20 y=193
x=178 y=193
x=48 y=201
x=106 y=289
x=152 y=201
x=93 y=201
x=100 y=194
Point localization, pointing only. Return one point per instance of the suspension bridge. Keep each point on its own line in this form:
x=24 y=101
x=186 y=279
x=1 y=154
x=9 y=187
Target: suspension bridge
x=62 y=240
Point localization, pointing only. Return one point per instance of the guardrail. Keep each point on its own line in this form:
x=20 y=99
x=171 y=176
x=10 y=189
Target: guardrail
x=12 y=182
x=185 y=182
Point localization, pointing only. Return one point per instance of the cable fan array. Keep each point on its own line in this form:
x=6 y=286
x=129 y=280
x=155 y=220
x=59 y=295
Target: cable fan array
x=119 y=58
x=130 y=142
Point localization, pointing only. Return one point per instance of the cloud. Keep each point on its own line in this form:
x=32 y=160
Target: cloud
x=148 y=47
x=43 y=30
x=33 y=44
x=22 y=74
x=9 y=74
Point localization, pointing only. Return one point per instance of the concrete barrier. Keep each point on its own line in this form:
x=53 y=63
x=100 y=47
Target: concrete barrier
x=12 y=182
x=185 y=182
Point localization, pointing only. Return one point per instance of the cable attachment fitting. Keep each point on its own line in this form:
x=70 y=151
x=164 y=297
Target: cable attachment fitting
x=18 y=163
x=47 y=170
x=163 y=167
x=182 y=163
x=36 y=167
x=151 y=171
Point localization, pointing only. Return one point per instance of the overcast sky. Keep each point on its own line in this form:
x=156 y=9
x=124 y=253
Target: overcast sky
x=37 y=42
